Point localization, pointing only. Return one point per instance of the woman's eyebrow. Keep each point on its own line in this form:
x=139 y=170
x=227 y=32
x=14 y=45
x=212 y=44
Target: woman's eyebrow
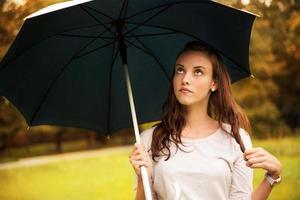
x=179 y=65
x=197 y=67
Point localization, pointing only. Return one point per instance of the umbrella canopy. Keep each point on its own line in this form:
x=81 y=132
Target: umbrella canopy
x=65 y=65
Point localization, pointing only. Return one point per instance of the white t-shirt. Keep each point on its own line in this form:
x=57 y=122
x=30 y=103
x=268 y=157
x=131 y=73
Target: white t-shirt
x=213 y=170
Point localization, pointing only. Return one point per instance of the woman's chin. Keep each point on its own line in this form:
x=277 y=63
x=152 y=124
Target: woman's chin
x=185 y=102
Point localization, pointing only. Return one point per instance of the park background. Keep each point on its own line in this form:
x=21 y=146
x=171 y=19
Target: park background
x=53 y=162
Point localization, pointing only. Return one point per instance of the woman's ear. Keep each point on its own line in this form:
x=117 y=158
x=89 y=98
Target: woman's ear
x=214 y=85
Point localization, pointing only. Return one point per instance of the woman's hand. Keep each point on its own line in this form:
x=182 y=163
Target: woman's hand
x=260 y=158
x=140 y=157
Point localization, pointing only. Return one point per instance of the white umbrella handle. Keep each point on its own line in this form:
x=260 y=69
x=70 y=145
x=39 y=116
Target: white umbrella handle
x=144 y=173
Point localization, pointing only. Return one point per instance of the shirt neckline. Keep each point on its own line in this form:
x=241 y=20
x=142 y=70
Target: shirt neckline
x=212 y=135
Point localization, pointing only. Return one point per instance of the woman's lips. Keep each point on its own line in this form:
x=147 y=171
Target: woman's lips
x=185 y=90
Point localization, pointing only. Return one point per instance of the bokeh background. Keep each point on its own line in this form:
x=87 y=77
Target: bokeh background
x=53 y=162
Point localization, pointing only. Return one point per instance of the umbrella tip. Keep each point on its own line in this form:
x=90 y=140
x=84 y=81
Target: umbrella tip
x=6 y=101
x=252 y=76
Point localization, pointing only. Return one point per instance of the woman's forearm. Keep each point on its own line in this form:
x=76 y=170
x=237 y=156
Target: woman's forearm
x=140 y=194
x=263 y=191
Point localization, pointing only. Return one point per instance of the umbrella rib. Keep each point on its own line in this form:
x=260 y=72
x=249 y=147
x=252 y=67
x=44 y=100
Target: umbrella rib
x=95 y=18
x=77 y=55
x=151 y=17
x=196 y=38
x=152 y=34
x=84 y=36
x=152 y=55
x=54 y=81
x=91 y=51
x=149 y=9
x=180 y=2
x=79 y=28
x=113 y=59
x=96 y=37
x=59 y=34
x=97 y=11
x=165 y=28
x=124 y=7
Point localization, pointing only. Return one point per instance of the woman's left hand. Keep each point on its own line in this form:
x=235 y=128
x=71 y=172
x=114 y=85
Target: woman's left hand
x=260 y=158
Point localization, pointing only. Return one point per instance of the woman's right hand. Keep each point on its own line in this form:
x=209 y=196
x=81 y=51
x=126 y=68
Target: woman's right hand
x=139 y=157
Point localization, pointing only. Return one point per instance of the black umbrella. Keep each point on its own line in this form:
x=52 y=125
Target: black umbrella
x=65 y=65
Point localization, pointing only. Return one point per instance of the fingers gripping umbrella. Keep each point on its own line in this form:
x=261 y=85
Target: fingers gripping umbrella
x=67 y=64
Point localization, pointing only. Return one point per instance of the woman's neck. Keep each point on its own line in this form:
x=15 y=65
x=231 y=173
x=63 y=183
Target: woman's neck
x=197 y=118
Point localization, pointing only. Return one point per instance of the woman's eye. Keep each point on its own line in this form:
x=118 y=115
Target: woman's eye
x=179 y=70
x=198 y=72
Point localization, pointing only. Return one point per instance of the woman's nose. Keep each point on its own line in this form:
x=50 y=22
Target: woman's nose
x=186 y=79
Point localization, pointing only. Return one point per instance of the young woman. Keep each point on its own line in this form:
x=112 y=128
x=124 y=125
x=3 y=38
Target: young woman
x=201 y=149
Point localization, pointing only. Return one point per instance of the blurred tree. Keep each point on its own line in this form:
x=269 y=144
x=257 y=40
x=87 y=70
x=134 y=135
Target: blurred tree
x=11 y=123
x=286 y=47
x=271 y=99
x=281 y=33
x=12 y=14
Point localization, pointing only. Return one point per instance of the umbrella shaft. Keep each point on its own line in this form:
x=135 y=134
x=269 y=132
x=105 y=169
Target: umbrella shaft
x=132 y=107
x=120 y=38
x=144 y=173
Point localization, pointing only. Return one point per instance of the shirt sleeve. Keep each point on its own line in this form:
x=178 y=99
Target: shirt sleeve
x=242 y=176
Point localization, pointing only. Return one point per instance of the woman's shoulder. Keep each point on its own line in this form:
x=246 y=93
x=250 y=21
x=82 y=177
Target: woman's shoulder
x=245 y=136
x=147 y=133
x=146 y=137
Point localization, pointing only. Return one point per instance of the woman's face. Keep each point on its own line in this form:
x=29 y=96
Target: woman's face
x=193 y=78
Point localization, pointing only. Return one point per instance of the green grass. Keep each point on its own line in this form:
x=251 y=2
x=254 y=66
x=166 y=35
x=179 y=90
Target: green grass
x=288 y=152
x=17 y=153
x=109 y=176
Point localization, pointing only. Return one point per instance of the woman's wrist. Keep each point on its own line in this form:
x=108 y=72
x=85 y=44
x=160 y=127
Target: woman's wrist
x=272 y=179
x=140 y=180
x=276 y=172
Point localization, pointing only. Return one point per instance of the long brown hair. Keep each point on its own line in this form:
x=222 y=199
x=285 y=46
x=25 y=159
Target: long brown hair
x=222 y=107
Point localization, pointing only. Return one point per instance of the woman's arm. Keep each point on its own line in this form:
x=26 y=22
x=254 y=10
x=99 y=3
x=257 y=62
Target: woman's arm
x=260 y=158
x=263 y=190
x=140 y=194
